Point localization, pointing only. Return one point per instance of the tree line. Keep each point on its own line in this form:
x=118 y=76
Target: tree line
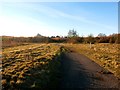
x=72 y=37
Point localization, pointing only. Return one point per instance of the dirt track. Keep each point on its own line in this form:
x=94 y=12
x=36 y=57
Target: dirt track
x=79 y=71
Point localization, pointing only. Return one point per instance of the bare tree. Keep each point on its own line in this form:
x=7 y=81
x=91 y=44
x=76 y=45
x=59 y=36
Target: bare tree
x=72 y=33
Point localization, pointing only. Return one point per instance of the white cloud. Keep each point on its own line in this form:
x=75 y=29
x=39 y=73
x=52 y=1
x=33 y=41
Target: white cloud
x=29 y=26
x=57 y=14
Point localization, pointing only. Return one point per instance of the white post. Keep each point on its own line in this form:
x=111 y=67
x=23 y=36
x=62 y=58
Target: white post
x=90 y=45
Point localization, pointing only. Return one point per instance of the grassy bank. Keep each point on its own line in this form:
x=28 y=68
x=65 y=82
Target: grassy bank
x=106 y=55
x=31 y=66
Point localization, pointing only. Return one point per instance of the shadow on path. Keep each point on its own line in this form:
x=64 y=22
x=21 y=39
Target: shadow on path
x=79 y=71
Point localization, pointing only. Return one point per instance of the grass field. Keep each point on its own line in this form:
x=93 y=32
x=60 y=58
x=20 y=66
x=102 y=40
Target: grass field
x=106 y=55
x=30 y=66
x=38 y=65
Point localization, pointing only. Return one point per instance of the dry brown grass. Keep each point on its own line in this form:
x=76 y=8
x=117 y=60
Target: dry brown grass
x=106 y=55
x=26 y=64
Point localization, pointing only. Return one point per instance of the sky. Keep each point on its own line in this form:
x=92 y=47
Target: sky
x=57 y=18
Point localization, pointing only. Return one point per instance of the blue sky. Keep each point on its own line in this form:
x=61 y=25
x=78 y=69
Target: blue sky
x=51 y=19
